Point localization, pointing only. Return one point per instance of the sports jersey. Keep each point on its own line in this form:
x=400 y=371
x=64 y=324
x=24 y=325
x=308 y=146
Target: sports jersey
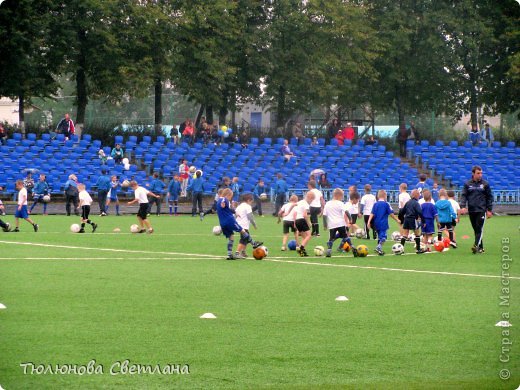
x=225 y=212
x=157 y=186
x=368 y=201
x=300 y=208
x=403 y=198
x=316 y=202
x=353 y=209
x=287 y=211
x=174 y=188
x=141 y=194
x=445 y=211
x=421 y=186
x=112 y=194
x=334 y=210
x=455 y=205
x=84 y=198
x=242 y=211
x=428 y=210
x=103 y=183
x=41 y=188
x=22 y=197
x=381 y=211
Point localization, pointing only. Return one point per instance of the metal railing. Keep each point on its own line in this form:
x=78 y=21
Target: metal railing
x=500 y=197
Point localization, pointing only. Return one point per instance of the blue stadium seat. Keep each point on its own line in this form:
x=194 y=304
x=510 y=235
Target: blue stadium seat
x=118 y=139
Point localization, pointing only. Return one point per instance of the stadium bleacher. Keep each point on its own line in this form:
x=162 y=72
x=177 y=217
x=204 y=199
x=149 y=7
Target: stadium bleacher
x=345 y=165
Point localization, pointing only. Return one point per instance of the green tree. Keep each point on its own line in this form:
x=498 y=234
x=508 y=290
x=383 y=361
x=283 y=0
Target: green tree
x=27 y=52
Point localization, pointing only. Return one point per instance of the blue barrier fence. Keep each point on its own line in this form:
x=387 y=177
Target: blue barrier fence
x=500 y=197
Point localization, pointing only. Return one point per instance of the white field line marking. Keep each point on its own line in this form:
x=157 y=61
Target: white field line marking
x=272 y=259
x=105 y=249
x=279 y=260
x=105 y=258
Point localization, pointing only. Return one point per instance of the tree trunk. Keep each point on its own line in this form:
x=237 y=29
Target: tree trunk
x=400 y=109
x=158 y=106
x=21 y=113
x=473 y=101
x=209 y=114
x=280 y=117
x=199 y=115
x=81 y=86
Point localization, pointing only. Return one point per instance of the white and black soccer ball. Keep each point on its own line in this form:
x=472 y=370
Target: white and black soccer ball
x=263 y=196
x=134 y=228
x=7 y=227
x=75 y=228
x=396 y=236
x=46 y=198
x=319 y=251
x=360 y=233
x=192 y=169
x=217 y=230
x=397 y=249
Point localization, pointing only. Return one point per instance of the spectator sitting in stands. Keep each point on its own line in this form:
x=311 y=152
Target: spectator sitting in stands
x=474 y=135
x=189 y=132
x=486 y=134
x=244 y=139
x=339 y=137
x=286 y=151
x=315 y=142
x=324 y=182
x=117 y=154
x=370 y=141
x=3 y=135
x=102 y=156
x=215 y=137
x=349 y=132
x=332 y=129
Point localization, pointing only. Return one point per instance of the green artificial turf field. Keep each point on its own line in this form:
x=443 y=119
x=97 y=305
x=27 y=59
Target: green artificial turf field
x=109 y=296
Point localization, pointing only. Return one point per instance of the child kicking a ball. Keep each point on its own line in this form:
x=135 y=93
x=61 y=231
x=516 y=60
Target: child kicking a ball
x=378 y=220
x=84 y=202
x=245 y=218
x=229 y=225
x=21 y=210
x=336 y=218
x=141 y=197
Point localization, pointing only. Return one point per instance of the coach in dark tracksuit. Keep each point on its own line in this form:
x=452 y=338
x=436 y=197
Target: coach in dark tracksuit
x=477 y=200
x=103 y=186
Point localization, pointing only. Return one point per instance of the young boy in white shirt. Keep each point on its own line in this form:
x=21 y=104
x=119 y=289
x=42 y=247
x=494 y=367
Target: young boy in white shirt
x=21 y=210
x=352 y=206
x=84 y=202
x=287 y=217
x=245 y=218
x=316 y=207
x=302 y=221
x=367 y=202
x=337 y=219
x=141 y=197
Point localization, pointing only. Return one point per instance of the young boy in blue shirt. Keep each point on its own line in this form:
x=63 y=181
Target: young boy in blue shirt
x=174 y=190
x=378 y=220
x=429 y=213
x=229 y=225
x=39 y=191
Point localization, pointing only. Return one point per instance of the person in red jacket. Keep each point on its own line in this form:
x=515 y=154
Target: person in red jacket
x=349 y=132
x=339 y=137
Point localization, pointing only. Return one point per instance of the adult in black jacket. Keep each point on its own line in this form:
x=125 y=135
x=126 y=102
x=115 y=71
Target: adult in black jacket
x=411 y=213
x=477 y=200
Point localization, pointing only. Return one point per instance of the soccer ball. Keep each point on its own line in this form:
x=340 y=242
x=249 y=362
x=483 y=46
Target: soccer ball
x=446 y=241
x=7 y=227
x=263 y=196
x=260 y=252
x=359 y=233
x=362 y=251
x=134 y=228
x=396 y=236
x=439 y=246
x=319 y=250
x=217 y=230
x=292 y=245
x=46 y=198
x=397 y=249
x=346 y=247
x=75 y=228
x=117 y=230
x=192 y=169
x=125 y=184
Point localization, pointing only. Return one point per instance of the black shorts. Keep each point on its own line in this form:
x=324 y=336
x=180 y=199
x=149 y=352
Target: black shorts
x=85 y=212
x=453 y=222
x=301 y=225
x=339 y=232
x=446 y=226
x=242 y=240
x=410 y=224
x=288 y=226
x=143 y=210
x=354 y=217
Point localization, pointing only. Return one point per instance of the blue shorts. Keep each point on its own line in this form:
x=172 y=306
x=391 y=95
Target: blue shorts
x=22 y=213
x=427 y=226
x=381 y=235
x=114 y=198
x=173 y=198
x=228 y=230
